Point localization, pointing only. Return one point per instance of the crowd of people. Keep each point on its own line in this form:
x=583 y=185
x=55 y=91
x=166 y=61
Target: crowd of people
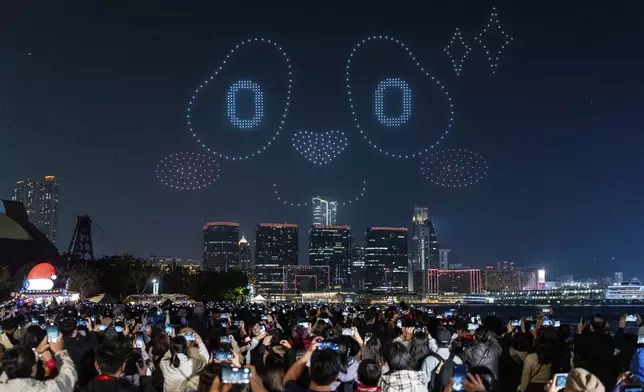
x=301 y=348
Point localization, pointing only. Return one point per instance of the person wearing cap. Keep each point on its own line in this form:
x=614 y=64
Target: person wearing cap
x=443 y=341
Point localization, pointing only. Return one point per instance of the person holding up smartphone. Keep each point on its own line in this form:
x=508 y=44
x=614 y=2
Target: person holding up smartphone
x=324 y=368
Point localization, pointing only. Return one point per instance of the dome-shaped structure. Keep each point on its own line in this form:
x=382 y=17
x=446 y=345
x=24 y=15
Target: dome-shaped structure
x=42 y=271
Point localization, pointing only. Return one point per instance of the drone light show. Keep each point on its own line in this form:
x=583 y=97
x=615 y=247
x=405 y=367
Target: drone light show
x=320 y=148
x=237 y=91
x=306 y=203
x=457 y=63
x=493 y=56
x=383 y=101
x=454 y=168
x=187 y=171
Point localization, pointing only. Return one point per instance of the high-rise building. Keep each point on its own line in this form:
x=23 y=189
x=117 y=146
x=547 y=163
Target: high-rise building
x=324 y=212
x=357 y=266
x=331 y=245
x=459 y=281
x=221 y=246
x=529 y=279
x=245 y=255
x=41 y=203
x=505 y=265
x=298 y=278
x=444 y=259
x=425 y=252
x=496 y=280
x=276 y=245
x=386 y=259
x=619 y=278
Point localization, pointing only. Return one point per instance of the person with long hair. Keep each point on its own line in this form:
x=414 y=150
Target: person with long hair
x=418 y=350
x=537 y=368
x=180 y=366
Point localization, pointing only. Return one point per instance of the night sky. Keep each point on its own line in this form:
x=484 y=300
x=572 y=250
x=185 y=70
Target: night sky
x=96 y=93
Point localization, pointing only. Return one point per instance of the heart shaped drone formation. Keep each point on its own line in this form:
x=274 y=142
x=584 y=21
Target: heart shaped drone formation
x=320 y=148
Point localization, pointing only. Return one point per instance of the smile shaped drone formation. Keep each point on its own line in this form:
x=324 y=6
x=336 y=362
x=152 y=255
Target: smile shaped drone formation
x=449 y=168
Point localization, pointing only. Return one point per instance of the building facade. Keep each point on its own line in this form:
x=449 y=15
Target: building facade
x=41 y=203
x=459 y=281
x=425 y=252
x=496 y=280
x=618 y=278
x=220 y=246
x=276 y=245
x=299 y=278
x=386 y=259
x=325 y=212
x=331 y=246
x=444 y=259
x=245 y=255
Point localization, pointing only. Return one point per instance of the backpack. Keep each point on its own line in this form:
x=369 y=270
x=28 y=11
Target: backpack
x=441 y=373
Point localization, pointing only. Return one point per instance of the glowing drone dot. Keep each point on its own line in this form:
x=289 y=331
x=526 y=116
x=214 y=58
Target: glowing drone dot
x=494 y=22
x=454 y=168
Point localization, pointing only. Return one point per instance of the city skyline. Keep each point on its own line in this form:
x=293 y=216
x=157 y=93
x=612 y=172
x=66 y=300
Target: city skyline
x=544 y=143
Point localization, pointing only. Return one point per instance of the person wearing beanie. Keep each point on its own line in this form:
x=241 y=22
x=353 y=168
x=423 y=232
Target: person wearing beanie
x=580 y=380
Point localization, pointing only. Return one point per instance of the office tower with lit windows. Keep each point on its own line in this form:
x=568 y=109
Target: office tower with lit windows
x=41 y=203
x=276 y=245
x=220 y=246
x=386 y=259
x=426 y=254
x=459 y=281
x=245 y=255
x=324 y=212
x=331 y=245
x=505 y=265
x=618 y=278
x=495 y=280
x=444 y=259
x=357 y=266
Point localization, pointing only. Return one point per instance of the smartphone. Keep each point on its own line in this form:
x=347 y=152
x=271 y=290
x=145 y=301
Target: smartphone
x=235 y=375
x=399 y=324
x=118 y=329
x=52 y=334
x=102 y=327
x=262 y=329
x=138 y=343
x=347 y=331
x=420 y=329
x=190 y=337
x=516 y=323
x=460 y=375
x=1 y=330
x=92 y=318
x=224 y=324
x=640 y=339
x=225 y=339
x=303 y=324
x=168 y=329
x=367 y=336
x=631 y=318
x=547 y=322
x=327 y=345
x=472 y=326
x=80 y=323
x=632 y=388
x=557 y=324
x=221 y=355
x=560 y=380
x=264 y=317
x=448 y=314
x=546 y=310
x=326 y=320
x=223 y=316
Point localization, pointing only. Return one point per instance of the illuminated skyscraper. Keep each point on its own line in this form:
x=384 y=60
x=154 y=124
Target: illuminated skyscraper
x=276 y=245
x=425 y=252
x=444 y=259
x=245 y=255
x=324 y=212
x=41 y=203
x=386 y=259
x=619 y=278
x=221 y=246
x=331 y=245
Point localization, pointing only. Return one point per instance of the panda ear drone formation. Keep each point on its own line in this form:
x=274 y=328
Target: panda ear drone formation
x=452 y=168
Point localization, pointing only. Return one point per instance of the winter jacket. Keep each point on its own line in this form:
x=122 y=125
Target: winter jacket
x=484 y=354
x=534 y=372
x=185 y=376
x=637 y=365
x=64 y=382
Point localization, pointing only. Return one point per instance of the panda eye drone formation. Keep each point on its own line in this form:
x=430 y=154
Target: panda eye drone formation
x=454 y=168
x=320 y=148
x=187 y=171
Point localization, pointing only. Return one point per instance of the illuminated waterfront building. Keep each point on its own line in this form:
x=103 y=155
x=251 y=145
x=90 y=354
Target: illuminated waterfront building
x=41 y=203
x=299 y=278
x=220 y=246
x=324 y=212
x=501 y=279
x=386 y=259
x=276 y=245
x=459 y=281
x=245 y=255
x=331 y=246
